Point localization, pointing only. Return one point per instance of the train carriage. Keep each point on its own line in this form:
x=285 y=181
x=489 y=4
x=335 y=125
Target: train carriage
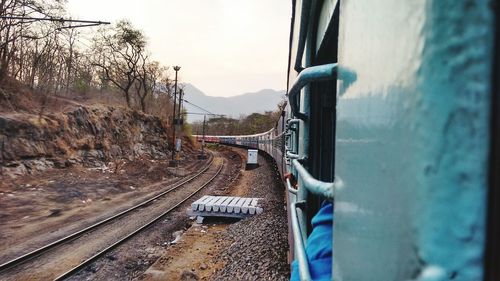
x=393 y=117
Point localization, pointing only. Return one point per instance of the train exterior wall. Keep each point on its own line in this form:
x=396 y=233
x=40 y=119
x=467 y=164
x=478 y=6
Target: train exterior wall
x=412 y=139
x=411 y=136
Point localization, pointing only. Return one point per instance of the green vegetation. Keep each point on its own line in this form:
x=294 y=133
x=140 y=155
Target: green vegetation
x=251 y=124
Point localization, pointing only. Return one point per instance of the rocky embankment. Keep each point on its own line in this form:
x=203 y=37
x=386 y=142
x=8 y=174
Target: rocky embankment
x=89 y=136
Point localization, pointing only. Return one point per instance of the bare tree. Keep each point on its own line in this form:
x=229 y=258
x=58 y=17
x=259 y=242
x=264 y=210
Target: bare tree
x=148 y=77
x=52 y=61
x=71 y=37
x=161 y=98
x=13 y=30
x=121 y=49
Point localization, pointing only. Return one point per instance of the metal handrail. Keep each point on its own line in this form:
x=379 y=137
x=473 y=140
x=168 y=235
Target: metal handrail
x=304 y=272
x=289 y=187
x=291 y=122
x=325 y=189
x=311 y=74
x=289 y=134
x=292 y=155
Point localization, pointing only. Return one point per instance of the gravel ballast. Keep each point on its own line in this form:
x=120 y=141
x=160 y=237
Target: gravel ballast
x=258 y=246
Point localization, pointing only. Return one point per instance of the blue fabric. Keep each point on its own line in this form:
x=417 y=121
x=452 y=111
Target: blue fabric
x=319 y=246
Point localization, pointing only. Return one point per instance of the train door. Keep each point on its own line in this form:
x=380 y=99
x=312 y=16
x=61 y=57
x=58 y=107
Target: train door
x=492 y=271
x=310 y=137
x=322 y=104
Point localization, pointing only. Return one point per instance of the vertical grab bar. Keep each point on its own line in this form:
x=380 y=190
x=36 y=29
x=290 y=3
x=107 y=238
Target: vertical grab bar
x=289 y=127
x=304 y=272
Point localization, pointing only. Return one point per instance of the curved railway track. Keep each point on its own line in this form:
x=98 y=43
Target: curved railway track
x=141 y=215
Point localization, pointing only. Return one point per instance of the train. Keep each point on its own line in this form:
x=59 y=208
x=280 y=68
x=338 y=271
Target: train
x=393 y=118
x=270 y=142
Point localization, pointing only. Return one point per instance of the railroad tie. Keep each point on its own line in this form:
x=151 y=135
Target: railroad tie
x=224 y=206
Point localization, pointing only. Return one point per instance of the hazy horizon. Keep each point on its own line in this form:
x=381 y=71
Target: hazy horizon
x=239 y=94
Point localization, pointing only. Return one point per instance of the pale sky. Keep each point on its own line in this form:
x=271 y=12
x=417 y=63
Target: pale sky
x=225 y=47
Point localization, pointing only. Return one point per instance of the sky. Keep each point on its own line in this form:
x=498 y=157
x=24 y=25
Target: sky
x=224 y=47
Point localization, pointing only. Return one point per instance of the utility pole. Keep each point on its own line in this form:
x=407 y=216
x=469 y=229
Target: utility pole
x=206 y=112
x=173 y=162
x=181 y=94
x=180 y=121
x=203 y=139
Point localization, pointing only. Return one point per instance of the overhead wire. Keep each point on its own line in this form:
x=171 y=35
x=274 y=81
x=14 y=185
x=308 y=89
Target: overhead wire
x=201 y=108
x=83 y=23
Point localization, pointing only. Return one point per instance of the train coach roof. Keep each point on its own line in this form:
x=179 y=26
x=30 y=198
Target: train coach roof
x=239 y=136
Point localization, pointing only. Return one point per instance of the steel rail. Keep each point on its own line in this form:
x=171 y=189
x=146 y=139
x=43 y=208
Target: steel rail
x=39 y=251
x=114 y=245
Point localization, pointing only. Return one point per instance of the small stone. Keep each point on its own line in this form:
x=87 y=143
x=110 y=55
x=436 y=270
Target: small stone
x=55 y=212
x=203 y=266
x=129 y=266
x=189 y=276
x=92 y=268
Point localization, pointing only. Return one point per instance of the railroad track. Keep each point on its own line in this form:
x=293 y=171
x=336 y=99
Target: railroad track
x=22 y=263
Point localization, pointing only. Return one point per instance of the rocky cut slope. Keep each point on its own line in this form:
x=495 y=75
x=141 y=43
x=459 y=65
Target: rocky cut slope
x=83 y=135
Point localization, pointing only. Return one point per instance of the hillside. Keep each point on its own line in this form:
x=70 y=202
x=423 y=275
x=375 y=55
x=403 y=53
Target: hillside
x=261 y=101
x=41 y=133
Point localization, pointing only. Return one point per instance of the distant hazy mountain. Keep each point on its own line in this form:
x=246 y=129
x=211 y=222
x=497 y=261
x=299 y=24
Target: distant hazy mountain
x=263 y=100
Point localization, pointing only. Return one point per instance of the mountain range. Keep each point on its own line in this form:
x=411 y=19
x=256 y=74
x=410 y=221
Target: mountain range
x=234 y=107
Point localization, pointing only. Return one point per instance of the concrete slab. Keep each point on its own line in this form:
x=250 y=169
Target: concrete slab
x=224 y=206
